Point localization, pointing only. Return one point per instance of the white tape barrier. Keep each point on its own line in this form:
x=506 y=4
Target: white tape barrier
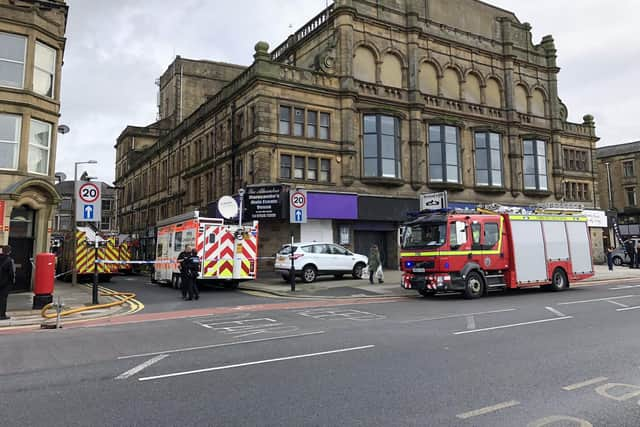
x=106 y=261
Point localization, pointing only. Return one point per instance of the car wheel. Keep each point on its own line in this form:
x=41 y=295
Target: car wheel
x=474 y=285
x=617 y=261
x=309 y=273
x=559 y=280
x=285 y=277
x=357 y=270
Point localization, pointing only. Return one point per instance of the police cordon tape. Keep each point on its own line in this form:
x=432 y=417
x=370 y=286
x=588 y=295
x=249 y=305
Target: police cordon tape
x=106 y=261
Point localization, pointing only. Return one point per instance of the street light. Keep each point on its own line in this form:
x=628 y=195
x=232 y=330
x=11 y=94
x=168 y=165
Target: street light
x=74 y=273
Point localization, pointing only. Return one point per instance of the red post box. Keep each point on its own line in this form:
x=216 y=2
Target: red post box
x=44 y=279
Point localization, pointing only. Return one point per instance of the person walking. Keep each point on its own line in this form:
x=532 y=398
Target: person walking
x=184 y=279
x=637 y=250
x=7 y=279
x=192 y=266
x=631 y=252
x=610 y=257
x=375 y=266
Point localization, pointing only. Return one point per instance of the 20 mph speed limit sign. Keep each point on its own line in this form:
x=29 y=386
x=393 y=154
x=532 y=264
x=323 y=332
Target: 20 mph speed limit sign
x=88 y=197
x=298 y=207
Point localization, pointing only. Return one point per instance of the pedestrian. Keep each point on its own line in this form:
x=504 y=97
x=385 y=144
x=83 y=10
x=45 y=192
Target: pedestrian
x=192 y=266
x=637 y=250
x=630 y=250
x=182 y=257
x=610 y=257
x=7 y=279
x=375 y=265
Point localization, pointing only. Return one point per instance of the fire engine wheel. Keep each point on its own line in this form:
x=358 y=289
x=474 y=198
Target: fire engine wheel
x=357 y=270
x=309 y=273
x=559 y=280
x=474 y=285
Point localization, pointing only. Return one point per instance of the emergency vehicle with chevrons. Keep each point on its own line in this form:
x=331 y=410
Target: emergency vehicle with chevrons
x=228 y=252
x=473 y=252
x=85 y=255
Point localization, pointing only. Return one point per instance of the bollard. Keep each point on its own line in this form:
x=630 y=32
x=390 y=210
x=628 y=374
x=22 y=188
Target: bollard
x=58 y=311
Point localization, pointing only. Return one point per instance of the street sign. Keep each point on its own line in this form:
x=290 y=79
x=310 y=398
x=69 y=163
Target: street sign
x=88 y=201
x=298 y=207
x=433 y=201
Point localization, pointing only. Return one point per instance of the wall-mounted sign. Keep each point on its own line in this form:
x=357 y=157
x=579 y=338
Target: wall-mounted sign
x=265 y=201
x=433 y=201
x=595 y=218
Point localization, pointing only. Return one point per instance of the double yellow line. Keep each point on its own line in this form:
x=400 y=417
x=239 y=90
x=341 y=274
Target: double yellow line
x=120 y=298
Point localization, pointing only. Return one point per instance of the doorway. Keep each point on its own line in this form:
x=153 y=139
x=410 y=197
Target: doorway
x=21 y=240
x=365 y=239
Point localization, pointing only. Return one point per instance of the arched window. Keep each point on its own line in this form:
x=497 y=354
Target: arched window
x=450 y=84
x=520 y=94
x=391 y=71
x=472 y=89
x=538 y=103
x=492 y=94
x=428 y=79
x=364 y=65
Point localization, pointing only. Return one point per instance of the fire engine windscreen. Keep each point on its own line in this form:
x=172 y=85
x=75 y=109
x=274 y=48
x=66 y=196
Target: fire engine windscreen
x=424 y=234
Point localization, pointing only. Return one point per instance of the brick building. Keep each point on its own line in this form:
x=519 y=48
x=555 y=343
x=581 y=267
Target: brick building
x=31 y=49
x=367 y=106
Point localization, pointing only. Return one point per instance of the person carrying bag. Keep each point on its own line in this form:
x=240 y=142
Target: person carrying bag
x=375 y=266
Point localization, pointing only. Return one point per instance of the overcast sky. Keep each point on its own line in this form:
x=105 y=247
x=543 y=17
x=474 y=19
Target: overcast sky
x=117 y=48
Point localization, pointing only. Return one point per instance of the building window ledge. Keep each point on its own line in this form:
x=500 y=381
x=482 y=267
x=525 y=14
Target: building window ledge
x=536 y=193
x=379 y=180
x=452 y=186
x=489 y=189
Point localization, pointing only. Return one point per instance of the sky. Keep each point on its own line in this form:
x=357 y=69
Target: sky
x=116 y=50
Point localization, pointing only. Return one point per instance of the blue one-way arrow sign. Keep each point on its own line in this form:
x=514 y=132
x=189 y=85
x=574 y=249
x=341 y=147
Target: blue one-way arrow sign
x=298 y=215
x=88 y=211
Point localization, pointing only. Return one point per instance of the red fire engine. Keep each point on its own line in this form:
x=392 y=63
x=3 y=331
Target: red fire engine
x=473 y=252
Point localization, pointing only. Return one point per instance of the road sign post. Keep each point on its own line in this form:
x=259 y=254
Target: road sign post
x=88 y=202
x=298 y=207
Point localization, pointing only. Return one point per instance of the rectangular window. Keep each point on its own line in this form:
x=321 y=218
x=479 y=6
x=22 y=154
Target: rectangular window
x=443 y=154
x=39 y=143
x=381 y=146
x=488 y=159
x=627 y=167
x=325 y=170
x=298 y=170
x=312 y=169
x=324 y=126
x=106 y=205
x=631 y=196
x=12 y=59
x=65 y=222
x=535 y=165
x=298 y=124
x=285 y=166
x=285 y=121
x=312 y=124
x=9 y=140
x=44 y=70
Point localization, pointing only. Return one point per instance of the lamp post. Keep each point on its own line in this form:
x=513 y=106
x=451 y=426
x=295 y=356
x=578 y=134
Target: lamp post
x=74 y=272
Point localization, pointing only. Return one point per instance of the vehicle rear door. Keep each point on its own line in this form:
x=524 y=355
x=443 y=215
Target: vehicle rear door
x=342 y=260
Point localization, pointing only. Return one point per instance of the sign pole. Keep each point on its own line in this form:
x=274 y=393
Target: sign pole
x=94 y=291
x=292 y=272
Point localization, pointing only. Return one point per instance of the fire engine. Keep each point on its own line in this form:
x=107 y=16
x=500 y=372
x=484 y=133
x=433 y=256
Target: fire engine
x=85 y=255
x=228 y=253
x=473 y=252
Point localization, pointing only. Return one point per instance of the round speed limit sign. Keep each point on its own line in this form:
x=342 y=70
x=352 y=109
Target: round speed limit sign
x=298 y=200
x=89 y=192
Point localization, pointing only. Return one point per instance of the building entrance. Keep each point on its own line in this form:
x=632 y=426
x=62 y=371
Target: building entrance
x=21 y=240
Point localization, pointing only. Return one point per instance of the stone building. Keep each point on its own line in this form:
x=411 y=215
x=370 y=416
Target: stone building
x=63 y=222
x=366 y=106
x=618 y=174
x=31 y=49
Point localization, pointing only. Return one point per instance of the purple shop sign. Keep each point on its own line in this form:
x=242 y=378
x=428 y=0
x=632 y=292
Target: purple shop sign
x=332 y=206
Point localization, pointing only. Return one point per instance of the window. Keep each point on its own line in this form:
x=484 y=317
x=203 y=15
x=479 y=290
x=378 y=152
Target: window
x=576 y=191
x=443 y=154
x=44 y=70
x=324 y=125
x=627 y=167
x=381 y=151
x=9 y=140
x=575 y=160
x=325 y=170
x=298 y=167
x=488 y=159
x=106 y=205
x=312 y=169
x=65 y=204
x=12 y=54
x=535 y=165
x=39 y=140
x=285 y=121
x=285 y=166
x=631 y=196
x=298 y=124
x=312 y=123
x=491 y=235
x=65 y=222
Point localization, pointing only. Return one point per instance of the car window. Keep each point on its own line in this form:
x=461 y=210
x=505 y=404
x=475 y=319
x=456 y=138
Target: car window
x=321 y=249
x=306 y=249
x=286 y=250
x=338 y=250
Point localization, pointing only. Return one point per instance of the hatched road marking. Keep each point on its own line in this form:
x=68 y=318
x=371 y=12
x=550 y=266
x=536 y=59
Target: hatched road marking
x=141 y=366
x=453 y=316
x=628 y=308
x=584 y=383
x=597 y=299
x=619 y=304
x=488 y=409
x=512 y=325
x=471 y=322
x=556 y=312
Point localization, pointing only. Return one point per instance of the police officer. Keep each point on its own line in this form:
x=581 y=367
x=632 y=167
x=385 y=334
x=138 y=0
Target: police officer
x=7 y=279
x=192 y=267
x=631 y=251
x=184 y=278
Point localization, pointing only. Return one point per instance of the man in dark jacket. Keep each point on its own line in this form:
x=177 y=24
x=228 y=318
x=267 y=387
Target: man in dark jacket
x=7 y=278
x=184 y=278
x=192 y=267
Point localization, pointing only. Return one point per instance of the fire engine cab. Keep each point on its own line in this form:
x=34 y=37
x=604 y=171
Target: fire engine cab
x=473 y=252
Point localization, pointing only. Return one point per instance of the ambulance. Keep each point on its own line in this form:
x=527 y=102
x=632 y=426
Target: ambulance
x=228 y=252
x=474 y=252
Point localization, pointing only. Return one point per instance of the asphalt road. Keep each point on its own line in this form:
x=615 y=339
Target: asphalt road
x=518 y=359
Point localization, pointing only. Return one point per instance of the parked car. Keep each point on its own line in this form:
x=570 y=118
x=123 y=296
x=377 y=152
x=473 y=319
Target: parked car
x=315 y=259
x=619 y=256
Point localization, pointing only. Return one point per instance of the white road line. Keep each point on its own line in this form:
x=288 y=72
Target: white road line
x=556 y=312
x=471 y=322
x=452 y=316
x=204 y=347
x=512 y=325
x=140 y=367
x=584 y=383
x=618 y=288
x=597 y=299
x=619 y=304
x=257 y=362
x=488 y=409
x=628 y=308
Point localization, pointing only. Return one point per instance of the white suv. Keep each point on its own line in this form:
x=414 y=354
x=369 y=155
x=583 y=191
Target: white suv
x=314 y=259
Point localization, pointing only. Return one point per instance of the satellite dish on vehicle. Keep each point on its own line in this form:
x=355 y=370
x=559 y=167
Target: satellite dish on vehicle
x=228 y=207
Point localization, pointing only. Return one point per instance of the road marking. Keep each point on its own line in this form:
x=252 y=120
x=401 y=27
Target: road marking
x=488 y=409
x=584 y=383
x=628 y=308
x=512 y=325
x=205 y=347
x=471 y=322
x=556 y=312
x=618 y=288
x=340 y=313
x=257 y=362
x=619 y=304
x=141 y=366
x=597 y=299
x=452 y=316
